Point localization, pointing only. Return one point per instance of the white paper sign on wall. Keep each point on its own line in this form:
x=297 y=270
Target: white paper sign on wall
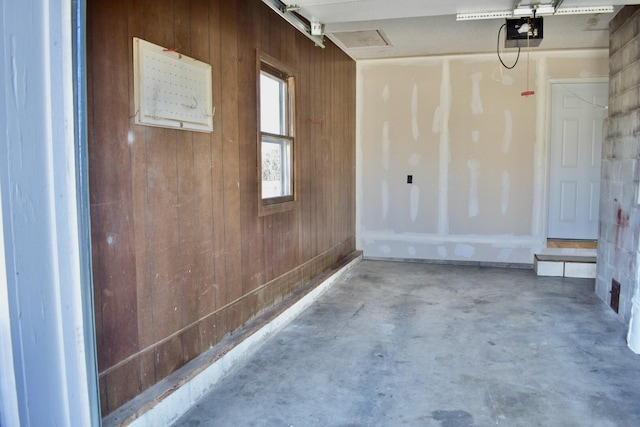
x=171 y=90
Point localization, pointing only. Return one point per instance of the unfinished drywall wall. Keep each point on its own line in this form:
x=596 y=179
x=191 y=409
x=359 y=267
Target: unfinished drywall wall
x=476 y=151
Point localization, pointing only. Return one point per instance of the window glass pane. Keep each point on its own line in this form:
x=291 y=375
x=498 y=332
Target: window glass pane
x=276 y=168
x=276 y=142
x=272 y=105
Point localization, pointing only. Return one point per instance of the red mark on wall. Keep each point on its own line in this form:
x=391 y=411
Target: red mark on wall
x=622 y=222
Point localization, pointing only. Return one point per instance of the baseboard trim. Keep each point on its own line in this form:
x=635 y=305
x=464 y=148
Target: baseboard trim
x=183 y=388
x=514 y=265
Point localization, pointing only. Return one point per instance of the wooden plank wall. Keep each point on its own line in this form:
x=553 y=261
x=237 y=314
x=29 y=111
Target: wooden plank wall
x=180 y=256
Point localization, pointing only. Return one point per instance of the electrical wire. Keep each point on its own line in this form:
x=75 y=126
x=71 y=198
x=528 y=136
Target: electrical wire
x=498 y=51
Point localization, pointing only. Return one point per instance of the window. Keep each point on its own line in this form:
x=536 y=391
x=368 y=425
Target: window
x=276 y=137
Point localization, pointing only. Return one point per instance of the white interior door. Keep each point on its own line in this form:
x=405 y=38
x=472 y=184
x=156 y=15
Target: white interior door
x=577 y=117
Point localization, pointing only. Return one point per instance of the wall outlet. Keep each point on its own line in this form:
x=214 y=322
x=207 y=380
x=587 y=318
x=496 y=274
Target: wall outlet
x=409 y=179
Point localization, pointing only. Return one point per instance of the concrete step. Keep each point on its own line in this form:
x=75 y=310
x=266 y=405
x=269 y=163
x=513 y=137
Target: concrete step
x=565 y=266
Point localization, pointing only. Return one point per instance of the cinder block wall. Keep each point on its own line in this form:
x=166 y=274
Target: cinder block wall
x=619 y=209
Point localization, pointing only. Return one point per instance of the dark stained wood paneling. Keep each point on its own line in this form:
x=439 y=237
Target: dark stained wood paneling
x=162 y=204
x=218 y=287
x=231 y=156
x=169 y=356
x=122 y=384
x=187 y=225
x=163 y=226
x=321 y=148
x=187 y=221
x=252 y=235
x=204 y=291
x=110 y=179
x=191 y=343
x=182 y=25
x=147 y=370
x=102 y=382
x=181 y=257
x=139 y=196
x=303 y=150
x=265 y=29
x=93 y=199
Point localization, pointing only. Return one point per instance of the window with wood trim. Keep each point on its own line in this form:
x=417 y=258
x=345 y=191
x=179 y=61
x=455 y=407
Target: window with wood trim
x=276 y=145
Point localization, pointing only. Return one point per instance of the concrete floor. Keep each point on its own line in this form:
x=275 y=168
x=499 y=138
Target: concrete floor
x=430 y=345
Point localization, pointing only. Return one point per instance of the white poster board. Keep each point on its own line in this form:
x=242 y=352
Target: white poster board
x=171 y=89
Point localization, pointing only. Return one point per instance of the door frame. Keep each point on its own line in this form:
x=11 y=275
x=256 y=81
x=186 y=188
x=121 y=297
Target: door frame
x=83 y=200
x=547 y=136
x=53 y=378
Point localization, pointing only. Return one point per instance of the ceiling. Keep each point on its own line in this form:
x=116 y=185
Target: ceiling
x=368 y=29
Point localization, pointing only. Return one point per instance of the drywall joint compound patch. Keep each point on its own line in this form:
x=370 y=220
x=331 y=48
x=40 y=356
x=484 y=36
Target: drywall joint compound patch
x=476 y=101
